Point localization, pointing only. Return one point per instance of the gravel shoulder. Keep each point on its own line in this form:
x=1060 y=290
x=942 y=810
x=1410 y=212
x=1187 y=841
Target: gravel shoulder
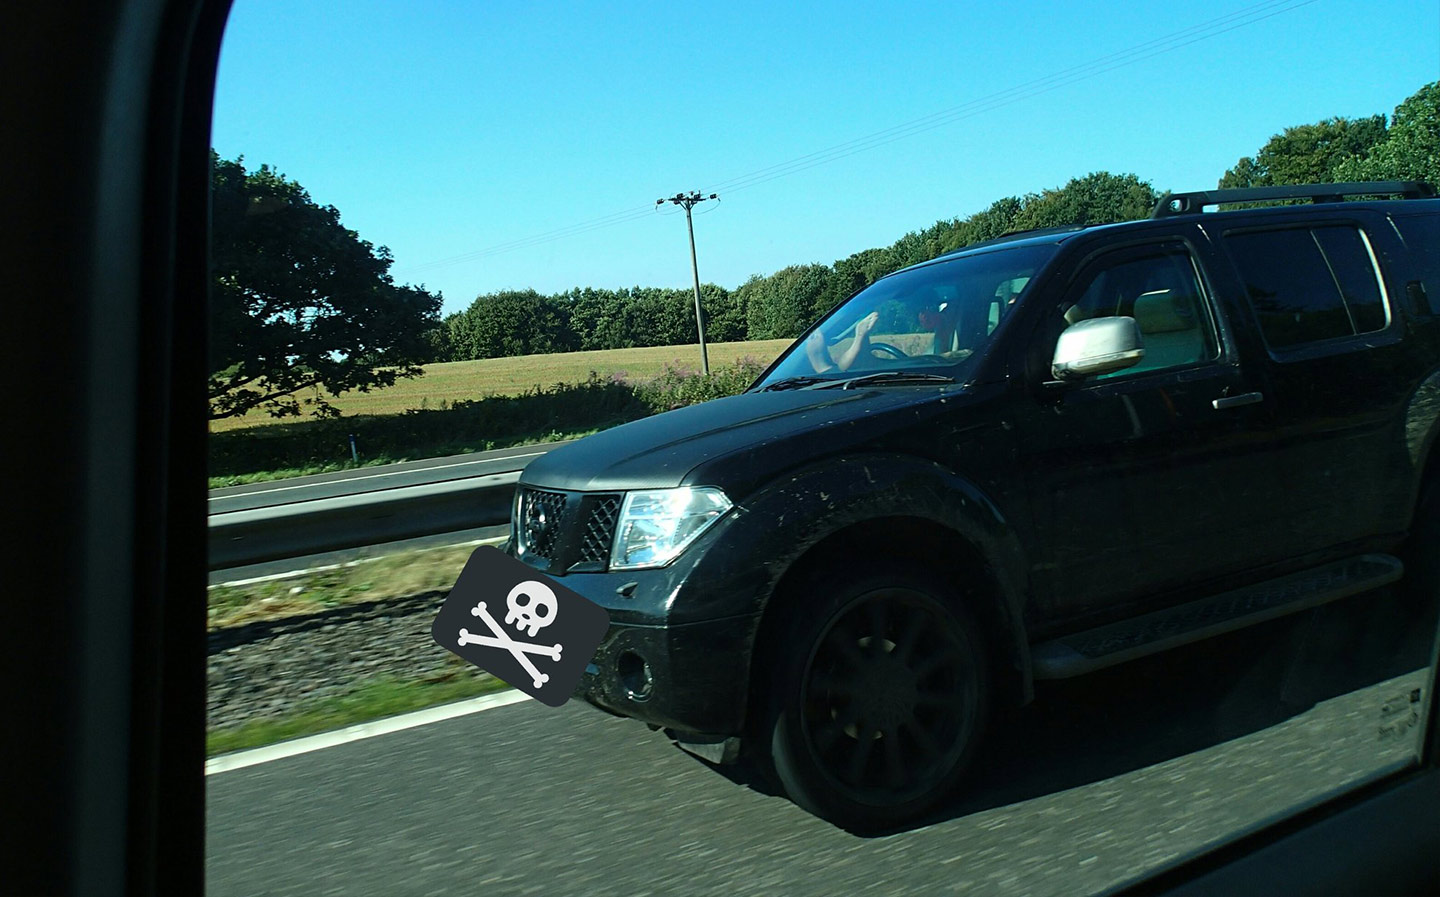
x=271 y=669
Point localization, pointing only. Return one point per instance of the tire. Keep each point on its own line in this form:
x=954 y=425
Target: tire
x=879 y=697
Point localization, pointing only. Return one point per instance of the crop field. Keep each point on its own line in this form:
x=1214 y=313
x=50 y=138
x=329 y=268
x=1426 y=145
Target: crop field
x=444 y=384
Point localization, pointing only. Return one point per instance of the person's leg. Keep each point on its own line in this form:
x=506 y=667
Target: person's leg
x=817 y=353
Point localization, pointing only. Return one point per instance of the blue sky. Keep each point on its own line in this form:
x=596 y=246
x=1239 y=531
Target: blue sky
x=447 y=129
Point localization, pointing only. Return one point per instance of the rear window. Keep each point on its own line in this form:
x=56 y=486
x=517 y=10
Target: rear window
x=1310 y=284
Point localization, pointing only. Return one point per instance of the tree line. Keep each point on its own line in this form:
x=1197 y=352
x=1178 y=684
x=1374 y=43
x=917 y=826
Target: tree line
x=774 y=306
x=301 y=301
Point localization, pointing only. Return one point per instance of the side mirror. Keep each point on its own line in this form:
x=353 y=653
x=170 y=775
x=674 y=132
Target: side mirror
x=1097 y=346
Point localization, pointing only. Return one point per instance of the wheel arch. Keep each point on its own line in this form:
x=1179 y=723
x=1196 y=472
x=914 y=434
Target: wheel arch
x=1422 y=432
x=923 y=541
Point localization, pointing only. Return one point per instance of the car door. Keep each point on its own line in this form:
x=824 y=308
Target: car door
x=1147 y=478
x=1339 y=372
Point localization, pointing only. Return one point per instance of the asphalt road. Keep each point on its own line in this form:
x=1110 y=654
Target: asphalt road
x=298 y=565
x=1099 y=780
x=279 y=521
x=374 y=479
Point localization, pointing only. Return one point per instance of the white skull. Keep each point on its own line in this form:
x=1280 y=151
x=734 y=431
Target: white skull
x=537 y=612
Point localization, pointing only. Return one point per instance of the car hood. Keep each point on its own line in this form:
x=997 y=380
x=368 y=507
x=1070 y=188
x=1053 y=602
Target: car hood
x=731 y=441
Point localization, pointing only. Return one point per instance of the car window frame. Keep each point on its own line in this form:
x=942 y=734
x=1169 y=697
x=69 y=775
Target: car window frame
x=1037 y=359
x=146 y=96
x=1391 y=334
x=1422 y=277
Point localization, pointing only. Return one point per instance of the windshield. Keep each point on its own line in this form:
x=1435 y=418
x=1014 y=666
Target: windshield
x=935 y=318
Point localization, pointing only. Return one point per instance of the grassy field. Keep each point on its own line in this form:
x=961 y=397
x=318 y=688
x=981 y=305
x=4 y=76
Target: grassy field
x=445 y=384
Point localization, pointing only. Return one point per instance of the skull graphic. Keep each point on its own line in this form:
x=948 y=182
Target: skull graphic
x=537 y=610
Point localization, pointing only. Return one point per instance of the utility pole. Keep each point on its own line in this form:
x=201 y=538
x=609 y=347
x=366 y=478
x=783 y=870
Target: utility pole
x=689 y=201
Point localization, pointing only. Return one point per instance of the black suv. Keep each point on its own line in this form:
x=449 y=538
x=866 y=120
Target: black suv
x=1032 y=458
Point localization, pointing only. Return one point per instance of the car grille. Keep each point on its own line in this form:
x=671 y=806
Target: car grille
x=541 y=516
x=600 y=529
x=562 y=532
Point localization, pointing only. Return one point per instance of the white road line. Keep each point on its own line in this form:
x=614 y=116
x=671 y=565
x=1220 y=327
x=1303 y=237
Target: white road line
x=295 y=747
x=291 y=574
x=372 y=476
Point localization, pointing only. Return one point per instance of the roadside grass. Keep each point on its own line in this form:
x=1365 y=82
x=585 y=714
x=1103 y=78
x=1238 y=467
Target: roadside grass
x=314 y=446
x=562 y=411
x=443 y=385
x=398 y=575
x=368 y=700
x=391 y=576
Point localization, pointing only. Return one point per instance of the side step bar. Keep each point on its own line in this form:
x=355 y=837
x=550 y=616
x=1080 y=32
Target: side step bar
x=1105 y=646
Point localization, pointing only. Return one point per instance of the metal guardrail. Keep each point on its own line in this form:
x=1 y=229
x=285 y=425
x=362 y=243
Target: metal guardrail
x=300 y=528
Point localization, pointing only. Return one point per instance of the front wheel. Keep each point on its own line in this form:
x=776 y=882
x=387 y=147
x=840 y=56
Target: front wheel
x=880 y=698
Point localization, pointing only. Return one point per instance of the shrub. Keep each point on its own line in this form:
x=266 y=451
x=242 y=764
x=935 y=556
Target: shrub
x=540 y=414
x=677 y=386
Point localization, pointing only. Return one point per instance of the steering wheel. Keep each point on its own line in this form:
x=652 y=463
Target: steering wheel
x=887 y=349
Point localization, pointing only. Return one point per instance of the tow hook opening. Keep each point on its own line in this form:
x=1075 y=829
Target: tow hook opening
x=635 y=677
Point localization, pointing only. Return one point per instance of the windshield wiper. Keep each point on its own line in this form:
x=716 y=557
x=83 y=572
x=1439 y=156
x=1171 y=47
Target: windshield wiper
x=897 y=377
x=792 y=383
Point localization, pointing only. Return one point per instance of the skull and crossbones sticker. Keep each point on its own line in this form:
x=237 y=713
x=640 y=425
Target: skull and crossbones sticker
x=523 y=614
x=510 y=647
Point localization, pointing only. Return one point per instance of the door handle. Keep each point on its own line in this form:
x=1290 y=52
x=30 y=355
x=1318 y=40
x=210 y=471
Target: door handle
x=1245 y=398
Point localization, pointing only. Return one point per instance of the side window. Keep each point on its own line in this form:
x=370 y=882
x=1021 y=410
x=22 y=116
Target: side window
x=1310 y=284
x=1160 y=288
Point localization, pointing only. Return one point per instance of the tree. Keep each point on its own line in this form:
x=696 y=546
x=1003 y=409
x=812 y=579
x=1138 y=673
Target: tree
x=1411 y=148
x=1097 y=198
x=508 y=323
x=851 y=275
x=298 y=301
x=995 y=221
x=657 y=316
x=782 y=305
x=1307 y=154
x=725 y=314
x=596 y=317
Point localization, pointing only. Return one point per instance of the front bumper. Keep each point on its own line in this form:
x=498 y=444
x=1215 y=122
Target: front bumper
x=677 y=653
x=689 y=677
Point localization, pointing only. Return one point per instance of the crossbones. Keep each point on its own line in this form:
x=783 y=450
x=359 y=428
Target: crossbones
x=518 y=650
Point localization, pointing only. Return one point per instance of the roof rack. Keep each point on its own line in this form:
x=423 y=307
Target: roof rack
x=1012 y=235
x=1195 y=202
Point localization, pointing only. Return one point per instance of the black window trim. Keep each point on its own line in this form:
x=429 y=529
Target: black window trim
x=1426 y=305
x=1389 y=335
x=116 y=838
x=1227 y=355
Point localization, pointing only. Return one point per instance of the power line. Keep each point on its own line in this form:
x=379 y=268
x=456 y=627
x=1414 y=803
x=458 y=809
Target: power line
x=548 y=236
x=1185 y=37
x=1066 y=77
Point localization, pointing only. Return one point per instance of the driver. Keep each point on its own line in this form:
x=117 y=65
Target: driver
x=819 y=353
x=942 y=323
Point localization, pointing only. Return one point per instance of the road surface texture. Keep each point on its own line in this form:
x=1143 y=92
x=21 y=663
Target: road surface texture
x=1101 y=779
x=373 y=479
x=299 y=565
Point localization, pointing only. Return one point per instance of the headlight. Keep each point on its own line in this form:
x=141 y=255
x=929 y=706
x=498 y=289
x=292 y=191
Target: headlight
x=656 y=525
